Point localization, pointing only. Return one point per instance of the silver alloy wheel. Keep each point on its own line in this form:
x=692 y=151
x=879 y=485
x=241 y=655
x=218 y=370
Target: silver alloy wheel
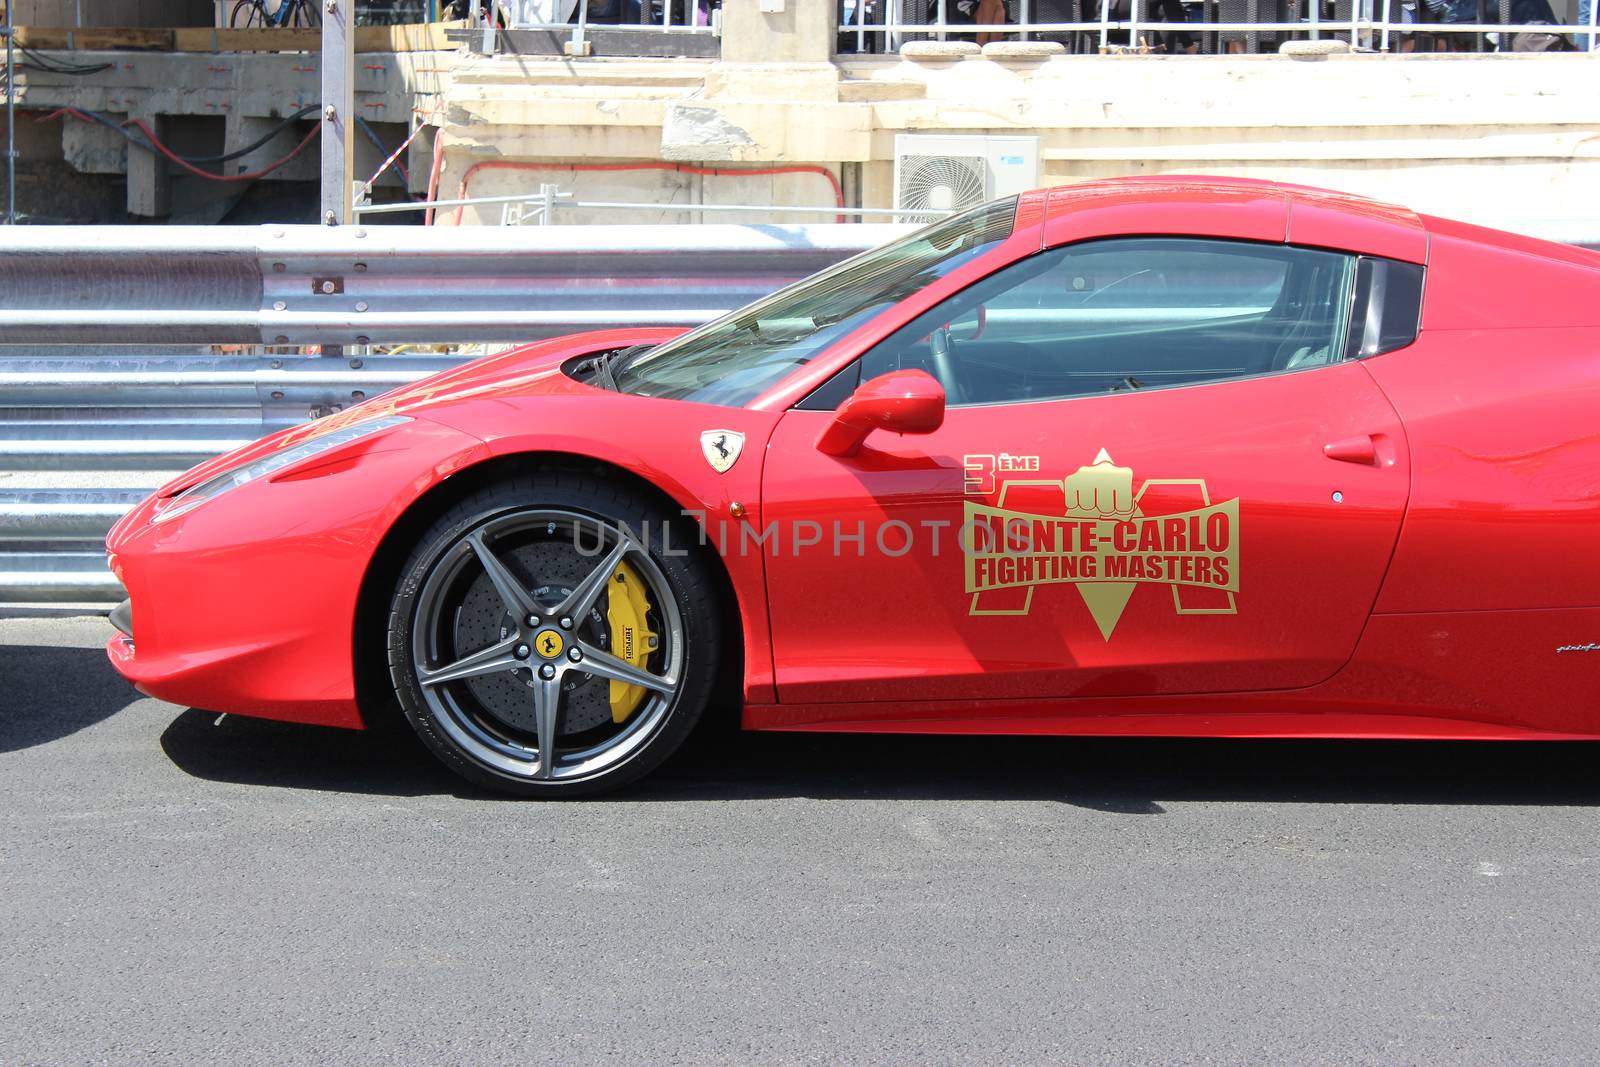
x=567 y=618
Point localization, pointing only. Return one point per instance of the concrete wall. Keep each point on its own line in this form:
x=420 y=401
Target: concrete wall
x=1513 y=135
x=203 y=104
x=1452 y=133
x=1455 y=133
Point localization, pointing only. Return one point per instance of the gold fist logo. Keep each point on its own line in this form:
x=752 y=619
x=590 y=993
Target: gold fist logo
x=1102 y=490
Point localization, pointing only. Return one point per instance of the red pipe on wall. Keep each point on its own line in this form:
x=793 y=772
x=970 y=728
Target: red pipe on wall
x=682 y=168
x=433 y=174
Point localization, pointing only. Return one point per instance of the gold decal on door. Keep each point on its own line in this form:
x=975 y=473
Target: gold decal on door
x=1106 y=539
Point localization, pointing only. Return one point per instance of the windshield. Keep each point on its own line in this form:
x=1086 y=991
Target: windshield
x=733 y=360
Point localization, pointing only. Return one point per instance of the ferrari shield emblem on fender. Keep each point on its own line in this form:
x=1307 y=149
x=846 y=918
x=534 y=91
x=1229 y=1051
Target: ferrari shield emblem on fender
x=721 y=448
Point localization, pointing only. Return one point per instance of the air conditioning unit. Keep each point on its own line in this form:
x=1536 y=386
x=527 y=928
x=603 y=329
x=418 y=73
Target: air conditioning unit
x=952 y=172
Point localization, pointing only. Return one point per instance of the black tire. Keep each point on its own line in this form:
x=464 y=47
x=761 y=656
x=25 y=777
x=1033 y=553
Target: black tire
x=247 y=14
x=441 y=596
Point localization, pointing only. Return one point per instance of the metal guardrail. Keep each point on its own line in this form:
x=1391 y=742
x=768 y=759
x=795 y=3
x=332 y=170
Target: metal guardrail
x=291 y=285
x=113 y=428
x=86 y=432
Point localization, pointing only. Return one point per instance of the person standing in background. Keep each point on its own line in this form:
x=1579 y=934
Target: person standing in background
x=971 y=13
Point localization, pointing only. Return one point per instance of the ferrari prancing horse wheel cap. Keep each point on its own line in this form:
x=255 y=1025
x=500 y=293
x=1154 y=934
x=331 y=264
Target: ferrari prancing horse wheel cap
x=549 y=643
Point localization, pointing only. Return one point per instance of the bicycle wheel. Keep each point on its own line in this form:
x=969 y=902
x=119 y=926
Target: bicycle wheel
x=247 y=14
x=305 y=13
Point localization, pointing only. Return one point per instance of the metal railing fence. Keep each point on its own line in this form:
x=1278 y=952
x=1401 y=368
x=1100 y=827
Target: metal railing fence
x=867 y=26
x=1371 y=25
x=543 y=207
x=654 y=18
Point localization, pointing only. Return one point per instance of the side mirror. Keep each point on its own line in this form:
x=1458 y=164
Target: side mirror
x=904 y=401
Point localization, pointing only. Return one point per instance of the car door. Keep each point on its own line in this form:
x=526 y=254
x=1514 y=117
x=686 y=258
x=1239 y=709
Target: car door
x=1156 y=473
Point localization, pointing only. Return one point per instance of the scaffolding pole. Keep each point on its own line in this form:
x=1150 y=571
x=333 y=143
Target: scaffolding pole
x=338 y=108
x=11 y=119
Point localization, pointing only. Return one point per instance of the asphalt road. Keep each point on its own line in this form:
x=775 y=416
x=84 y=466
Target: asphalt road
x=177 y=892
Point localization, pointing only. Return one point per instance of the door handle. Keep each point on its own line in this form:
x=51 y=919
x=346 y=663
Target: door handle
x=1361 y=449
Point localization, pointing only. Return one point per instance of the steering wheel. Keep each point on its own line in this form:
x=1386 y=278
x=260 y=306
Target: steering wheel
x=943 y=347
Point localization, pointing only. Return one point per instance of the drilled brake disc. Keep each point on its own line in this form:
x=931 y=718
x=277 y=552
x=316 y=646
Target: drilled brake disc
x=550 y=570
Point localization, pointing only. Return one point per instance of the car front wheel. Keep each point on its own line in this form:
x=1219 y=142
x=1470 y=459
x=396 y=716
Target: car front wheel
x=554 y=637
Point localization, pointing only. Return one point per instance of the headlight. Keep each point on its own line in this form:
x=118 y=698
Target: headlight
x=218 y=484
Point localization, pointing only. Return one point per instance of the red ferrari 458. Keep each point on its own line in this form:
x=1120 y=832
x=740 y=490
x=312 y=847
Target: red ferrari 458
x=1148 y=456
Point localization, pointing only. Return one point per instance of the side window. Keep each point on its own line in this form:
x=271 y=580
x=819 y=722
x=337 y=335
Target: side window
x=1386 y=310
x=1129 y=313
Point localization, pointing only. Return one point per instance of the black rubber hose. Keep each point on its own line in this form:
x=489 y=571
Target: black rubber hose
x=224 y=157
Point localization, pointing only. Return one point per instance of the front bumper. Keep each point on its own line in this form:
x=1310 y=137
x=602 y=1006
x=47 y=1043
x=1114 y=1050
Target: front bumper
x=122 y=618
x=247 y=604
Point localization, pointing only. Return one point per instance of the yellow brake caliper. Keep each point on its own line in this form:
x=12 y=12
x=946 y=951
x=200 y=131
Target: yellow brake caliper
x=632 y=641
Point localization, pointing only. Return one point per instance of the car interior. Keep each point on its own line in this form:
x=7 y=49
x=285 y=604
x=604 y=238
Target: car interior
x=1129 y=314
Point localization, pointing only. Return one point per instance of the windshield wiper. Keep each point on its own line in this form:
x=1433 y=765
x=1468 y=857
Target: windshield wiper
x=602 y=370
x=619 y=360
x=599 y=367
x=605 y=366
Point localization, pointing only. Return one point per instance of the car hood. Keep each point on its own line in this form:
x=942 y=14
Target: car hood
x=525 y=370
x=534 y=368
